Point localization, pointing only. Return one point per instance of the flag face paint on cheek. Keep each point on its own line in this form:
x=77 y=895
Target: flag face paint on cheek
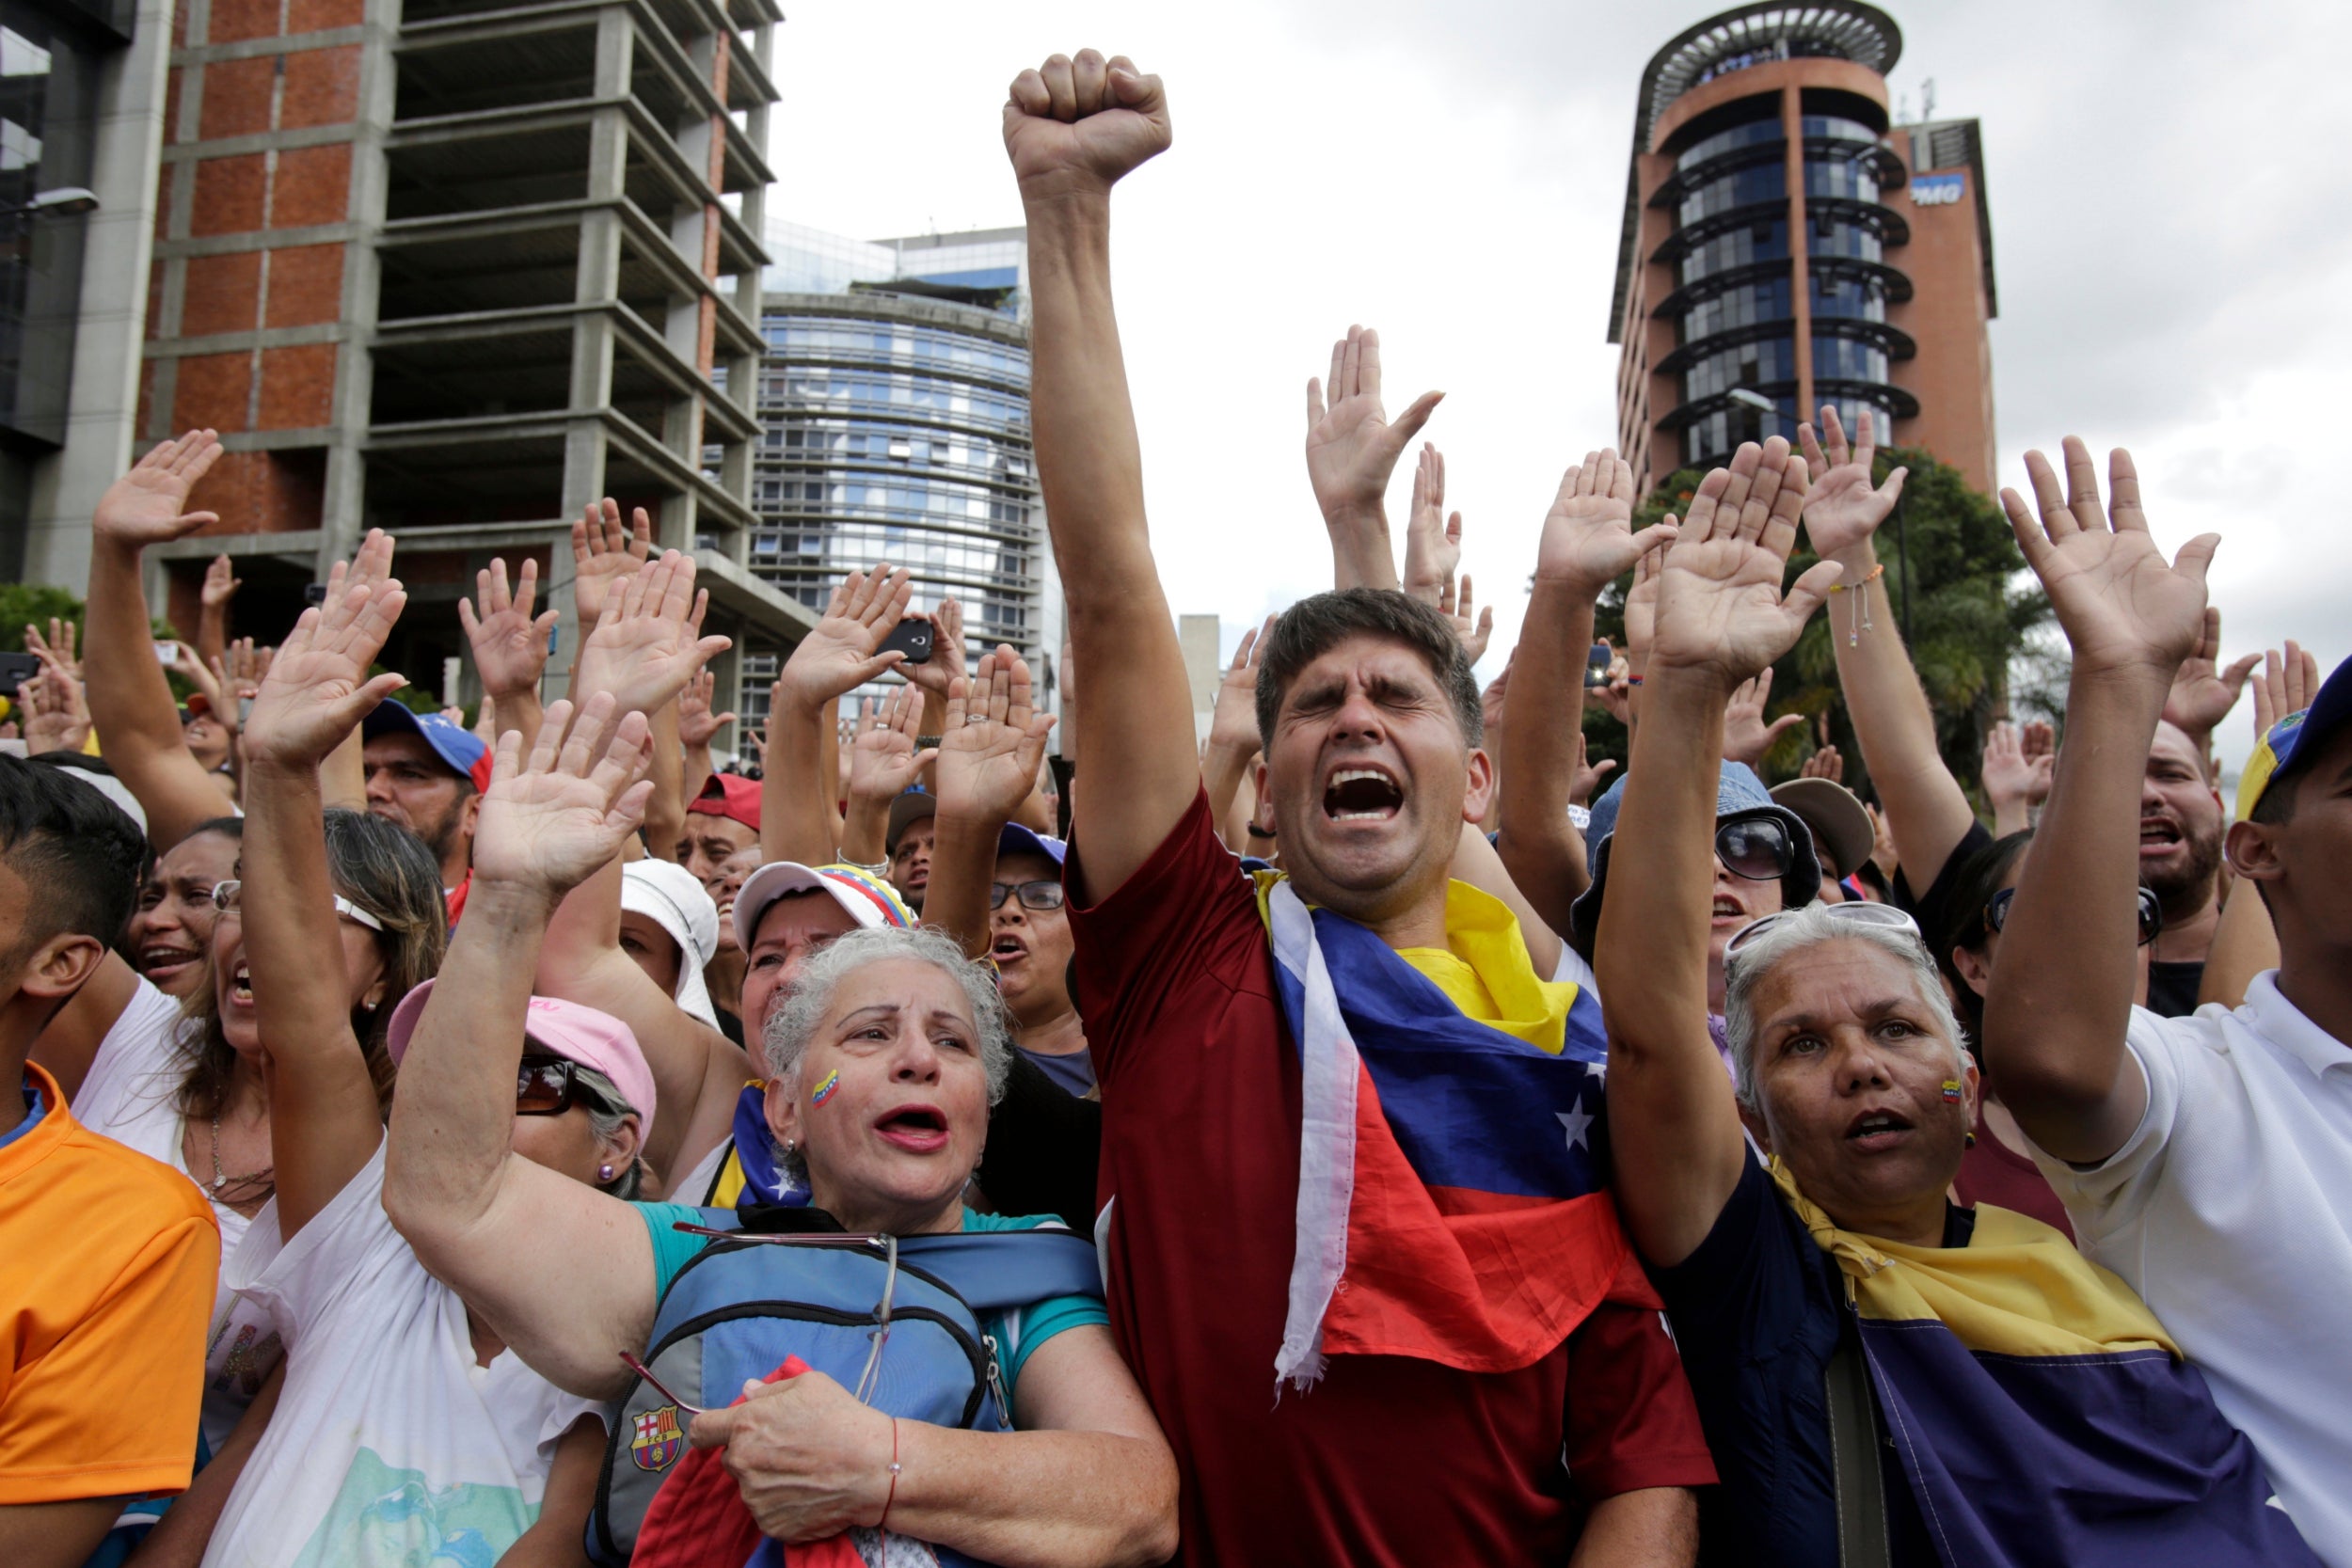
x=1951 y=1090
x=826 y=1087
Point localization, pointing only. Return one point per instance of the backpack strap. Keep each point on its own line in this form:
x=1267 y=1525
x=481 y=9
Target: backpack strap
x=1853 y=1442
x=994 y=1269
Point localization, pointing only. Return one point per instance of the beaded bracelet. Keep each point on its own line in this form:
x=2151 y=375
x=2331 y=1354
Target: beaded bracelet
x=883 y=1523
x=1861 y=622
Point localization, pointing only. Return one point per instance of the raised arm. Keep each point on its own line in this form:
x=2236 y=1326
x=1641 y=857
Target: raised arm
x=324 y=1120
x=1672 y=1123
x=2061 y=995
x=1233 y=742
x=221 y=583
x=2203 y=694
x=697 y=727
x=563 y=1272
x=1587 y=543
x=1072 y=129
x=2246 y=943
x=643 y=651
x=1351 y=449
x=796 y=786
x=989 y=755
x=1925 y=809
x=129 y=702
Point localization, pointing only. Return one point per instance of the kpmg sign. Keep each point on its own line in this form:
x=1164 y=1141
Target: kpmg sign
x=1938 y=190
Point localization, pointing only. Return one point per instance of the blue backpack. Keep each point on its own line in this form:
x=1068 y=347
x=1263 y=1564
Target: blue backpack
x=893 y=1319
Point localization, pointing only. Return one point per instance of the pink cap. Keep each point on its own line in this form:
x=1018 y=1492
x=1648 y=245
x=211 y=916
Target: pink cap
x=566 y=1029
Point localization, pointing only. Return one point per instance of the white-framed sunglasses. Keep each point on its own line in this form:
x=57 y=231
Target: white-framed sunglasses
x=1885 y=916
x=225 y=897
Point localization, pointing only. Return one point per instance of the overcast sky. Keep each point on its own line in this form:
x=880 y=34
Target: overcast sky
x=2170 y=189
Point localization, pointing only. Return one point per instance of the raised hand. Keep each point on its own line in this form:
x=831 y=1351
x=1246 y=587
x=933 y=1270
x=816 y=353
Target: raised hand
x=838 y=655
x=994 y=742
x=1233 y=718
x=697 y=726
x=1641 y=608
x=146 y=506
x=1825 y=763
x=946 y=661
x=55 y=715
x=2203 y=694
x=1588 y=540
x=885 y=760
x=1721 y=610
x=1078 y=125
x=510 y=648
x=221 y=583
x=648 y=642
x=1433 y=541
x=604 y=552
x=1352 y=447
x=57 y=647
x=1590 y=778
x=2040 y=743
x=1747 y=735
x=2013 y=782
x=318 y=686
x=2289 y=684
x=1843 y=509
x=1490 y=701
x=1472 y=634
x=549 y=822
x=2122 y=608
x=242 y=667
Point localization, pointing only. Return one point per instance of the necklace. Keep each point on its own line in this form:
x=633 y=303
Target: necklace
x=268 y=1174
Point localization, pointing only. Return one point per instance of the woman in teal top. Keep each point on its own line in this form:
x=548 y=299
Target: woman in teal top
x=881 y=1068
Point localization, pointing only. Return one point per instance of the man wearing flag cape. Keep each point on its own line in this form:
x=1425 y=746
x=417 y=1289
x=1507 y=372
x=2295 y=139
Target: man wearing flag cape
x=1359 y=1244
x=1886 y=1378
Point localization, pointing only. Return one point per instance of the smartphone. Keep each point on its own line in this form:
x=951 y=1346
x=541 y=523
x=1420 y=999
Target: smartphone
x=911 y=637
x=314 y=592
x=1596 y=667
x=15 y=670
x=166 y=653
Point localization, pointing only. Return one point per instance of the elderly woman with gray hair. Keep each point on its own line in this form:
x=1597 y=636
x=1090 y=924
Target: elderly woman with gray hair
x=881 y=1066
x=1879 y=1370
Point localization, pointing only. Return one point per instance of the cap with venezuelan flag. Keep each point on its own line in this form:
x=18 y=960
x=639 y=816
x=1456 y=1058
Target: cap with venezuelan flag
x=2296 y=735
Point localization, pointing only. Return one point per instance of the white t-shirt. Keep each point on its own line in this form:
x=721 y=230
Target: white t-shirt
x=390 y=1445
x=131 y=1095
x=2230 y=1211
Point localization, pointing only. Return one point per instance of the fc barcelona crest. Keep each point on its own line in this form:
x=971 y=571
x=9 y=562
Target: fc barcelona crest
x=657 y=1438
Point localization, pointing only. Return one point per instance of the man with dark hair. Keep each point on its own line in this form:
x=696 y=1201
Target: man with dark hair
x=107 y=1260
x=1293 y=1269
x=2206 y=1159
x=426 y=773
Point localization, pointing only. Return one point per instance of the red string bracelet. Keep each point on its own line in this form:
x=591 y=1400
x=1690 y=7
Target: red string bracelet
x=883 y=1524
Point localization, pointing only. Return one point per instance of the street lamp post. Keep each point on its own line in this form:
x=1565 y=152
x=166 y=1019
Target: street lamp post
x=64 y=202
x=1748 y=397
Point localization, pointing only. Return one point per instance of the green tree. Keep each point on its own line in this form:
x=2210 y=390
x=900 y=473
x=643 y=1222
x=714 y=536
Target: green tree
x=1969 y=620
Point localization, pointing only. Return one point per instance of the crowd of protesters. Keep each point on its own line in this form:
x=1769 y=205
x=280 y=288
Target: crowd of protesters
x=1359 y=1138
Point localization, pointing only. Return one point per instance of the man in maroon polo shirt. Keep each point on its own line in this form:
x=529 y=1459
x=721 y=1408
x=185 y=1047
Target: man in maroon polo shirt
x=1373 y=771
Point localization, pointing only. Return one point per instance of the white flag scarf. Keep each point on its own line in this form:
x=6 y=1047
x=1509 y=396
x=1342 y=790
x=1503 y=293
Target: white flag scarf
x=1330 y=1071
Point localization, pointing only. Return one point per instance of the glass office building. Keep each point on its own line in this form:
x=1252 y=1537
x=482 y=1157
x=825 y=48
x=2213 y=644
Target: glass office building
x=894 y=402
x=1772 y=252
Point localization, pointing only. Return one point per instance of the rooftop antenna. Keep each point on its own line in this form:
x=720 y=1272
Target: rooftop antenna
x=1902 y=108
x=1926 y=100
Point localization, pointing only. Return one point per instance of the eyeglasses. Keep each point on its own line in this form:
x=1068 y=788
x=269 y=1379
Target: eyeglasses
x=2150 y=913
x=1885 y=916
x=549 y=1085
x=1034 y=895
x=227 y=896
x=1757 y=848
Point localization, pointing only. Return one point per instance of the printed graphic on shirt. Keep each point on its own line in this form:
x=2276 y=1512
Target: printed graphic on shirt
x=655 y=1440
x=384 y=1515
x=252 y=1356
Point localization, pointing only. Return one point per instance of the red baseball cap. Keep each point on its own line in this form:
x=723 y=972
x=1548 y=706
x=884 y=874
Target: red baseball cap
x=730 y=794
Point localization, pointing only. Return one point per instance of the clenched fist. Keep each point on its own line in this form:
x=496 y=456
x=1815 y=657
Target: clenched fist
x=1077 y=126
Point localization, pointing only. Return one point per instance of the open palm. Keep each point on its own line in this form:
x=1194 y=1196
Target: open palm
x=648 y=643
x=510 y=647
x=318 y=688
x=837 y=655
x=2121 y=605
x=1720 y=604
x=148 y=505
x=885 y=760
x=1843 y=508
x=994 y=742
x=551 y=821
x=1588 y=539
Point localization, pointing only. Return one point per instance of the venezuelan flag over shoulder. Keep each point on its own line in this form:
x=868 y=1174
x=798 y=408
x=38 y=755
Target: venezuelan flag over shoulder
x=1452 y=1200
x=2044 y=1417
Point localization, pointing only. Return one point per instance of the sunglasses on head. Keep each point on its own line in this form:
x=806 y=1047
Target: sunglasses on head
x=227 y=897
x=1757 y=848
x=2150 y=913
x=1885 y=915
x=1033 y=896
x=549 y=1085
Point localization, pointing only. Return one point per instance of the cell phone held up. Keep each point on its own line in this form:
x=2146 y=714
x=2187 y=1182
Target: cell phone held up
x=15 y=670
x=1596 y=667
x=911 y=637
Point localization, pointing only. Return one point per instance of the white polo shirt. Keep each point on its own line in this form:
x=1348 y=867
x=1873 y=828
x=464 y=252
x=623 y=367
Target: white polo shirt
x=2230 y=1211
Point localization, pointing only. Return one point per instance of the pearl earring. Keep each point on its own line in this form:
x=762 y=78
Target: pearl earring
x=604 y=1173
x=790 y=1147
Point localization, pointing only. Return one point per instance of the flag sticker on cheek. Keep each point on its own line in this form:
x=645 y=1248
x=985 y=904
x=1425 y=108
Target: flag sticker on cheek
x=832 y=1081
x=1951 y=1090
